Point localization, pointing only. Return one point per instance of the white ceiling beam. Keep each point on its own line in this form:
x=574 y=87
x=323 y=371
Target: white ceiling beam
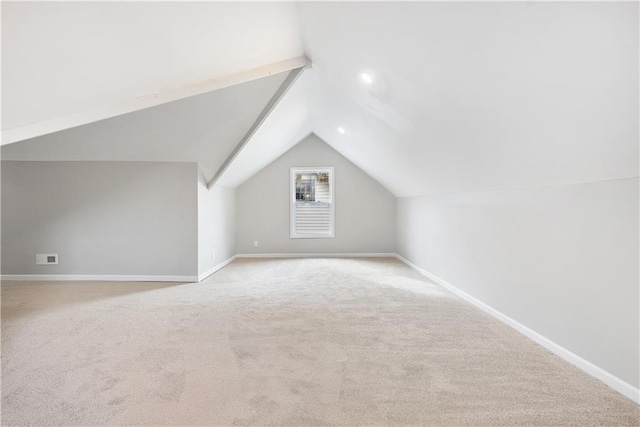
x=33 y=130
x=271 y=105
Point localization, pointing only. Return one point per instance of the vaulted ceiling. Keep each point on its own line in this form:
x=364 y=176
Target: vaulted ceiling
x=463 y=96
x=63 y=58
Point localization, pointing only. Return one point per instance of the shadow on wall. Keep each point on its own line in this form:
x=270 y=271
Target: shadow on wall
x=90 y=192
x=109 y=218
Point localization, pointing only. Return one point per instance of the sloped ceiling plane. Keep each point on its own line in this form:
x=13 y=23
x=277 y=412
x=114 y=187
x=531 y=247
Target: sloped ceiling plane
x=425 y=97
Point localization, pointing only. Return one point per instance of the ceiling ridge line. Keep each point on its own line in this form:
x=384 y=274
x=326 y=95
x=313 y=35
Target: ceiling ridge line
x=262 y=117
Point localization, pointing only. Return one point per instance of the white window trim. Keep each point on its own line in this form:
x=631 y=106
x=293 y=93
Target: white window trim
x=292 y=201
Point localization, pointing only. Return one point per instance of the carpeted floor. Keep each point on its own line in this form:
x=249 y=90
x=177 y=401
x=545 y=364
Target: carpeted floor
x=281 y=342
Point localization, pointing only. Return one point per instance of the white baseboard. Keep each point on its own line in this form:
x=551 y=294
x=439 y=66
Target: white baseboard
x=96 y=277
x=609 y=379
x=212 y=270
x=320 y=255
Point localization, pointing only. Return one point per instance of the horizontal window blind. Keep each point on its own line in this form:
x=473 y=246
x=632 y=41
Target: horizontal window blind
x=312 y=197
x=313 y=218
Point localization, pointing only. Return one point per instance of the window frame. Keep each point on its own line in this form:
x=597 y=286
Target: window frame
x=292 y=201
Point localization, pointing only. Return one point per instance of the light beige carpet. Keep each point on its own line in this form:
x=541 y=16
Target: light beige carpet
x=281 y=342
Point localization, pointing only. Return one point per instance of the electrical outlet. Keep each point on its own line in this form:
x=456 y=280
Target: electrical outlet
x=213 y=255
x=255 y=243
x=46 y=259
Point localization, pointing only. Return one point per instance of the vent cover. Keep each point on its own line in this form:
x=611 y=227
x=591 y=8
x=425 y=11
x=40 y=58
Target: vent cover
x=46 y=259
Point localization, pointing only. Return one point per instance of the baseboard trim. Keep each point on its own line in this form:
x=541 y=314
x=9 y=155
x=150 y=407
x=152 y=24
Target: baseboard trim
x=213 y=269
x=95 y=277
x=320 y=255
x=606 y=377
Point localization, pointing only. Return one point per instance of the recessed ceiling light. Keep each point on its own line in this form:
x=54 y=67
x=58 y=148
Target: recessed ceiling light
x=341 y=131
x=366 y=77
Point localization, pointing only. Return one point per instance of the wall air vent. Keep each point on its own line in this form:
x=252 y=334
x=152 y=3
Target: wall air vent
x=46 y=259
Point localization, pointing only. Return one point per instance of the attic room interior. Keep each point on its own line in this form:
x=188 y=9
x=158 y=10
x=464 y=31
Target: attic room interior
x=320 y=213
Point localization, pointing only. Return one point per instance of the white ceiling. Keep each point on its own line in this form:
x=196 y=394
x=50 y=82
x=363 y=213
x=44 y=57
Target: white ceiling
x=476 y=96
x=61 y=58
x=203 y=129
x=466 y=96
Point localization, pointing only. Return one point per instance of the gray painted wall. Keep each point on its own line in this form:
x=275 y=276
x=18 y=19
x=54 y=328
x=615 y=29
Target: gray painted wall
x=216 y=225
x=102 y=218
x=364 y=210
x=560 y=260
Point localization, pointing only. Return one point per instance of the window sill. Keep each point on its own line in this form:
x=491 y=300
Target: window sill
x=311 y=237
